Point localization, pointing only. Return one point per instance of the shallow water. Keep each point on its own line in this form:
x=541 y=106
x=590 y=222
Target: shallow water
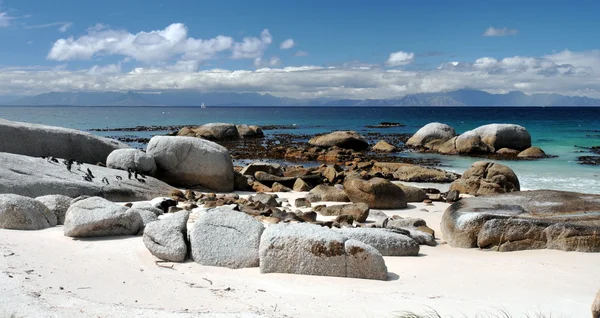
x=556 y=130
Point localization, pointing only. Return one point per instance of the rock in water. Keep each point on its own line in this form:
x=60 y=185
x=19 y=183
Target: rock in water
x=34 y=177
x=216 y=131
x=166 y=238
x=97 y=216
x=525 y=220
x=307 y=249
x=485 y=178
x=23 y=213
x=251 y=131
x=499 y=136
x=190 y=162
x=57 y=204
x=135 y=159
x=40 y=140
x=377 y=193
x=226 y=238
x=388 y=243
x=432 y=132
x=532 y=152
x=343 y=139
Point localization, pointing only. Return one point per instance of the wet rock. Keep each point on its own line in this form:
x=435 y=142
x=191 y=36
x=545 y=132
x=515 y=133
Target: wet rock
x=525 y=220
x=377 y=193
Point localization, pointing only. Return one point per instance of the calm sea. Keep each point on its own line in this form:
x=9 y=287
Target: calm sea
x=556 y=130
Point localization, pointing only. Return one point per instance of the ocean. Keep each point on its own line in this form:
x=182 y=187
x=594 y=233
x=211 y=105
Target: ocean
x=557 y=130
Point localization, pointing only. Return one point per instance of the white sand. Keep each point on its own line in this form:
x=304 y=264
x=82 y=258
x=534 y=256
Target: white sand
x=118 y=277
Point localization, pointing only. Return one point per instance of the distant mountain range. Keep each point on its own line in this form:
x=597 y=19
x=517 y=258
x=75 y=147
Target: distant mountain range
x=464 y=97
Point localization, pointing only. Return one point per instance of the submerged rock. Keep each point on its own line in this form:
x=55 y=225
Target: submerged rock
x=525 y=220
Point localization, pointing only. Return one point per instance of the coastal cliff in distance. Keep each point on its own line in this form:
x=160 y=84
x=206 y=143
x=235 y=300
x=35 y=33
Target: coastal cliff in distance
x=464 y=97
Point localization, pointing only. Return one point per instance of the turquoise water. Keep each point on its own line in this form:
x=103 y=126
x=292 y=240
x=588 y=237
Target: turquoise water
x=556 y=130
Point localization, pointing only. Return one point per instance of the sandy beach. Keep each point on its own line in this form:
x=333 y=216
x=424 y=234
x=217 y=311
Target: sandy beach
x=45 y=274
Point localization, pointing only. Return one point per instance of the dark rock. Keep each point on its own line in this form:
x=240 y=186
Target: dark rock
x=342 y=139
x=302 y=203
x=327 y=193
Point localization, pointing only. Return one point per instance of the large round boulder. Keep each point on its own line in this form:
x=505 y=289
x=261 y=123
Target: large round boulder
x=499 y=136
x=97 y=216
x=252 y=131
x=57 y=204
x=532 y=153
x=343 y=139
x=41 y=140
x=485 y=177
x=23 y=213
x=525 y=220
x=189 y=161
x=216 y=131
x=135 y=159
x=377 y=193
x=166 y=238
x=432 y=132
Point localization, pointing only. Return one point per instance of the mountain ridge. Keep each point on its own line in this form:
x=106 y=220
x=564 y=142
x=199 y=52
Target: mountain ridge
x=457 y=98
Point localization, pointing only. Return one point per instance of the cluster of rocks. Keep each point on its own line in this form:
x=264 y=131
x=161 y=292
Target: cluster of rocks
x=222 y=131
x=500 y=140
x=525 y=220
x=592 y=160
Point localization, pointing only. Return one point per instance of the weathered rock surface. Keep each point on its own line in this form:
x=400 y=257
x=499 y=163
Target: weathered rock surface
x=432 y=132
x=384 y=146
x=327 y=193
x=413 y=194
x=226 y=238
x=34 y=177
x=415 y=228
x=525 y=220
x=468 y=142
x=146 y=215
x=57 y=204
x=359 y=211
x=307 y=249
x=148 y=207
x=97 y=216
x=499 y=136
x=414 y=173
x=222 y=131
x=486 y=177
x=343 y=139
x=377 y=193
x=388 y=243
x=252 y=131
x=301 y=185
x=192 y=162
x=270 y=168
x=131 y=159
x=166 y=238
x=22 y=213
x=41 y=140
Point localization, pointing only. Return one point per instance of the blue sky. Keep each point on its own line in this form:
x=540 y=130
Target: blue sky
x=346 y=45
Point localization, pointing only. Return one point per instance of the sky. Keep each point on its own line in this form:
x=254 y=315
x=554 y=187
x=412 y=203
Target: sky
x=301 y=49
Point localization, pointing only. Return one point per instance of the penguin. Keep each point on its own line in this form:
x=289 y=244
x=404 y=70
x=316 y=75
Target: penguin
x=119 y=178
x=129 y=173
x=141 y=180
x=135 y=174
x=69 y=164
x=53 y=159
x=89 y=172
x=87 y=178
x=105 y=180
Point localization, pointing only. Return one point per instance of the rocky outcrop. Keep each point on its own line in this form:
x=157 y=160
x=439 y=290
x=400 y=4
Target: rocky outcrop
x=359 y=211
x=34 y=177
x=525 y=220
x=327 y=193
x=377 y=193
x=22 y=213
x=57 y=204
x=486 y=177
x=431 y=134
x=166 y=238
x=133 y=159
x=388 y=243
x=41 y=140
x=226 y=238
x=192 y=162
x=413 y=173
x=96 y=216
x=499 y=136
x=532 y=153
x=222 y=131
x=309 y=249
x=384 y=146
x=342 y=139
x=467 y=143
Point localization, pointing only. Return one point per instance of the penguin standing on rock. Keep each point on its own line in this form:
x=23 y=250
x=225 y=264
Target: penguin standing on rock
x=89 y=173
x=105 y=180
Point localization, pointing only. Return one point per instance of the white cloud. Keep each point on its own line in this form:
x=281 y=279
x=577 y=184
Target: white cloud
x=287 y=44
x=63 y=26
x=301 y=53
x=252 y=47
x=566 y=72
x=491 y=31
x=273 y=61
x=400 y=58
x=5 y=19
x=153 y=46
